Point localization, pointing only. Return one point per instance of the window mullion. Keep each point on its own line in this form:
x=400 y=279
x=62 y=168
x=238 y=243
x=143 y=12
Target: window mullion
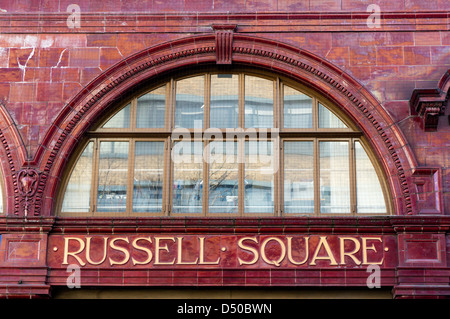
x=279 y=186
x=169 y=177
x=316 y=174
x=206 y=156
x=352 y=163
x=95 y=176
x=130 y=182
x=241 y=174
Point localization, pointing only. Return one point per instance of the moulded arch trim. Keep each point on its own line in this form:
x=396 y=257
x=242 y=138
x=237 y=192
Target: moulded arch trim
x=13 y=155
x=355 y=100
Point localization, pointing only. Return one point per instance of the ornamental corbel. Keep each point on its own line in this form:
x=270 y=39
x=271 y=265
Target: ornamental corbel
x=224 y=42
x=430 y=104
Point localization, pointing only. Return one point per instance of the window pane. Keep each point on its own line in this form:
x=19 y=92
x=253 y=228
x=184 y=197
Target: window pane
x=297 y=109
x=190 y=102
x=151 y=109
x=224 y=107
x=259 y=177
x=334 y=177
x=120 y=120
x=112 y=177
x=328 y=120
x=369 y=195
x=298 y=177
x=258 y=102
x=223 y=177
x=77 y=197
x=187 y=177
x=148 y=177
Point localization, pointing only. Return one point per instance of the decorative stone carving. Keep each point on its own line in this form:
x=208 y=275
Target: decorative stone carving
x=27 y=184
x=429 y=104
x=224 y=43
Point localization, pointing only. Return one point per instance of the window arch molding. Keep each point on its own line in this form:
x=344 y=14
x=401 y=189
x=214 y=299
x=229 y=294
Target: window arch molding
x=354 y=100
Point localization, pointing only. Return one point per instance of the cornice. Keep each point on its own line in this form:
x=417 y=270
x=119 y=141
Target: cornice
x=199 y=22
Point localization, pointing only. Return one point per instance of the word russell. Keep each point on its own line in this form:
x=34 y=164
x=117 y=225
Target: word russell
x=219 y=251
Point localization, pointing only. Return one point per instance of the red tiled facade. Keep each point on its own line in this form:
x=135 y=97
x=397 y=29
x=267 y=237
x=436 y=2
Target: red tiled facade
x=392 y=79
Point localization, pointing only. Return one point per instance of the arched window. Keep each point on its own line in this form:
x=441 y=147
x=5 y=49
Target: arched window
x=225 y=144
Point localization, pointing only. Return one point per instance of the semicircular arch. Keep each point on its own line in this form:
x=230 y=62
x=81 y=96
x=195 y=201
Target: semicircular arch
x=102 y=93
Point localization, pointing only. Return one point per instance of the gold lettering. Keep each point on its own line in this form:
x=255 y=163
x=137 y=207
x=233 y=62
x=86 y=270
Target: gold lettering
x=351 y=253
x=365 y=249
x=158 y=247
x=263 y=252
x=88 y=251
x=180 y=253
x=202 y=254
x=323 y=242
x=248 y=248
x=289 y=251
x=124 y=250
x=138 y=247
x=73 y=254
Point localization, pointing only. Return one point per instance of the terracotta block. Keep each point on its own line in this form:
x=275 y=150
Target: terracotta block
x=128 y=44
x=389 y=55
x=70 y=90
x=109 y=57
x=293 y=5
x=70 y=40
x=101 y=40
x=23 y=249
x=350 y=39
x=84 y=57
x=12 y=40
x=229 y=5
x=37 y=75
x=399 y=110
x=445 y=37
x=23 y=92
x=4 y=57
x=47 y=91
x=65 y=74
x=362 y=73
x=53 y=57
x=255 y=5
x=427 y=38
x=362 y=56
x=417 y=55
x=399 y=90
x=440 y=55
x=325 y=5
x=164 y=6
x=39 y=112
x=198 y=5
x=399 y=38
x=384 y=72
x=11 y=75
x=414 y=5
x=372 y=38
x=23 y=57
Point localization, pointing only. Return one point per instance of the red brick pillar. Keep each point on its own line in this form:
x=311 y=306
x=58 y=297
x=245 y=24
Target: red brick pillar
x=423 y=252
x=23 y=254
